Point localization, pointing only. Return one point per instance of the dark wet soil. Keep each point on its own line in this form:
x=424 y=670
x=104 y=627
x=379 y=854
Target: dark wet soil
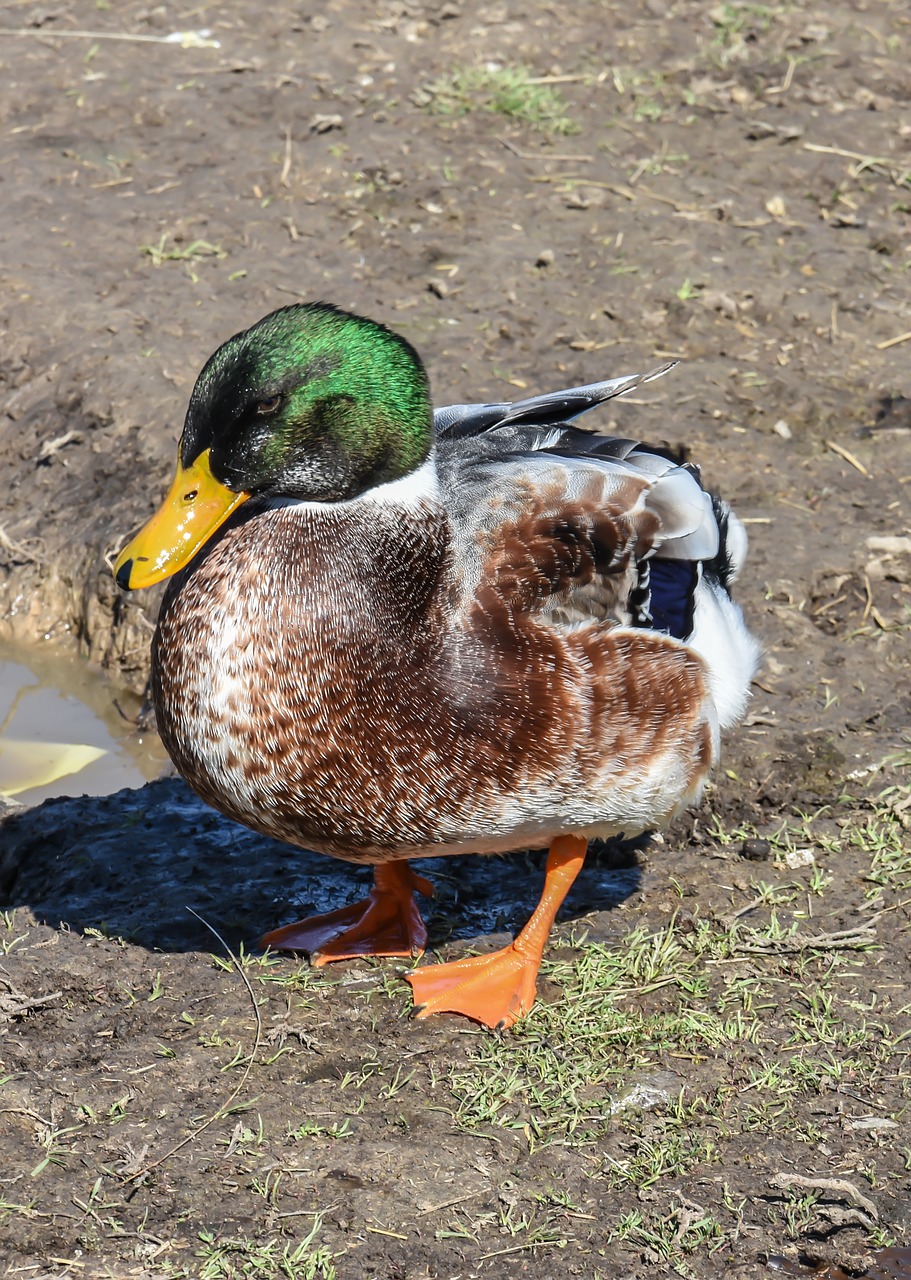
x=736 y=193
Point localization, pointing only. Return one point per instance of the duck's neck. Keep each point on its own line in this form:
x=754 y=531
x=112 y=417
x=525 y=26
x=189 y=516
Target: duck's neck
x=419 y=489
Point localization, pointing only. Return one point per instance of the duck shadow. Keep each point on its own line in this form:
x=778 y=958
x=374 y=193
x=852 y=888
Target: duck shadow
x=138 y=863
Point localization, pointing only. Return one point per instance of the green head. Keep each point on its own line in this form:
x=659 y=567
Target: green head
x=313 y=403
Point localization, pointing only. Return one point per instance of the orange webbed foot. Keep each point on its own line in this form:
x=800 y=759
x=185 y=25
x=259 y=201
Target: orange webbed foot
x=499 y=989
x=496 y=989
x=387 y=923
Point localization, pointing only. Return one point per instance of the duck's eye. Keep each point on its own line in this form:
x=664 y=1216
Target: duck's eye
x=268 y=406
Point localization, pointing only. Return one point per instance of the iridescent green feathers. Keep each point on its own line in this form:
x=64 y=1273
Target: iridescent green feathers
x=311 y=403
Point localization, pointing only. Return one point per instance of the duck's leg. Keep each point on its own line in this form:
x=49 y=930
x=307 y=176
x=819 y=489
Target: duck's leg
x=499 y=988
x=387 y=923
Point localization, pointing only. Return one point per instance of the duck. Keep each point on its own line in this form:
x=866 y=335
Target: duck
x=393 y=632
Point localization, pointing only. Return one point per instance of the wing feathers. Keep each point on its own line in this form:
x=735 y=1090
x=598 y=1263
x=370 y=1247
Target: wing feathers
x=554 y=407
x=561 y=522
x=689 y=530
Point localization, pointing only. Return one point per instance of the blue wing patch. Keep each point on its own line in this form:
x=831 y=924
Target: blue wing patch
x=673 y=594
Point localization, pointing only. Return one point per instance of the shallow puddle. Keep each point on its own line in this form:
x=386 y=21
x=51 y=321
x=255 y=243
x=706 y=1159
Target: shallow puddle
x=887 y=1264
x=62 y=734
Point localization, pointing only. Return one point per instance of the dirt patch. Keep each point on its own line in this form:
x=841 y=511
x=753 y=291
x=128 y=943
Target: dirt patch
x=727 y=185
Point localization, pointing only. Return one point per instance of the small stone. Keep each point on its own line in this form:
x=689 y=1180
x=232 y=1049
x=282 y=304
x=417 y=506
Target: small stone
x=890 y=545
x=775 y=206
x=782 y=429
x=796 y=858
x=870 y=1124
x=755 y=850
x=545 y=258
x=322 y=123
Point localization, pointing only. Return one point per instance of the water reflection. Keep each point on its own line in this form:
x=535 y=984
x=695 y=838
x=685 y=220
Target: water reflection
x=61 y=733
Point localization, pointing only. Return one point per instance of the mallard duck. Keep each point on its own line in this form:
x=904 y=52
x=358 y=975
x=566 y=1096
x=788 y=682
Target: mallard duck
x=394 y=634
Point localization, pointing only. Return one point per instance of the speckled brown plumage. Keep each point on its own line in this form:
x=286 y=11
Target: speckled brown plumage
x=319 y=676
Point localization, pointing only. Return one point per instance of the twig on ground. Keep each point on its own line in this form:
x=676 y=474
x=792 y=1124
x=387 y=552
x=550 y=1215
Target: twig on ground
x=225 y=1106
x=16 y=1004
x=893 y=342
x=544 y=155
x=848 y=457
x=856 y=939
x=185 y=39
x=20 y=552
x=841 y=1188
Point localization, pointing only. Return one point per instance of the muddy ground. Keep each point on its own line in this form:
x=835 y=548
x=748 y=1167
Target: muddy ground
x=718 y=1071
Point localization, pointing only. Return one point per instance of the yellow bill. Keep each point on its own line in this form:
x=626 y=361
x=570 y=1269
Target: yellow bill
x=197 y=504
